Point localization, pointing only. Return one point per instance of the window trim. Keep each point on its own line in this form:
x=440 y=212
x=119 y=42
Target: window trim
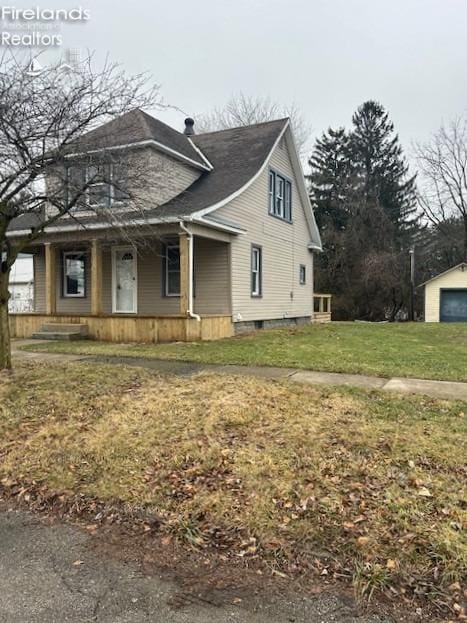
x=302 y=270
x=259 y=271
x=173 y=245
x=65 y=294
x=286 y=197
x=91 y=207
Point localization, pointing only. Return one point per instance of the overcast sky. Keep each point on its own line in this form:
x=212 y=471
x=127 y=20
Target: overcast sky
x=328 y=56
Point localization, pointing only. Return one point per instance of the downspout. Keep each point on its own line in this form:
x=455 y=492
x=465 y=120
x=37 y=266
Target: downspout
x=190 y=272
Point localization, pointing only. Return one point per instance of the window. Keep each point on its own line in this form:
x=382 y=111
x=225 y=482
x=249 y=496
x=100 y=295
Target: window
x=256 y=271
x=74 y=274
x=288 y=201
x=106 y=185
x=172 y=269
x=97 y=177
x=272 y=191
x=280 y=196
x=280 y=192
x=302 y=274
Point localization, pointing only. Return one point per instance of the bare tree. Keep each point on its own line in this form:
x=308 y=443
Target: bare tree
x=243 y=110
x=443 y=176
x=43 y=117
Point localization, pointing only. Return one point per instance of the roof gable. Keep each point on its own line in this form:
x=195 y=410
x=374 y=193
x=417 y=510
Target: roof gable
x=462 y=266
x=136 y=127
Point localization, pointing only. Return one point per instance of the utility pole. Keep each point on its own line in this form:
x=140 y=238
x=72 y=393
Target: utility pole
x=412 y=285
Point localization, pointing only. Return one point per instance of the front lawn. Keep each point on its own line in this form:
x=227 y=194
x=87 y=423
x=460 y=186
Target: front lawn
x=429 y=351
x=345 y=484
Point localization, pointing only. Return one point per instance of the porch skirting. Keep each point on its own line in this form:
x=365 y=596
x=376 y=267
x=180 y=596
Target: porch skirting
x=149 y=329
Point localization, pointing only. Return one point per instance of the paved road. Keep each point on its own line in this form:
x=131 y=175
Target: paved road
x=52 y=574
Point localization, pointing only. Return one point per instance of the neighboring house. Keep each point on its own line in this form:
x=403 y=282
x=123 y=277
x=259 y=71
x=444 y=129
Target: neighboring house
x=446 y=296
x=228 y=243
x=21 y=286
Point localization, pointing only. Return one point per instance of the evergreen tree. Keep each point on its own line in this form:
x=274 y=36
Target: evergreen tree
x=364 y=201
x=329 y=178
x=378 y=162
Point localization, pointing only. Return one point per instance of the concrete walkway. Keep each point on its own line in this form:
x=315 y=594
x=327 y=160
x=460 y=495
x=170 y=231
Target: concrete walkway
x=449 y=390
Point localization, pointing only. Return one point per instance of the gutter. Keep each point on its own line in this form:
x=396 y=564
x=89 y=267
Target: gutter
x=190 y=272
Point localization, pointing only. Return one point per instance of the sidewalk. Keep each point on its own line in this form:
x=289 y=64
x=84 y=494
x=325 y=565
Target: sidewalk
x=448 y=390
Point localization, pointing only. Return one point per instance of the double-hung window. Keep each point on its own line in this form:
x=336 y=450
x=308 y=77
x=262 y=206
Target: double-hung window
x=256 y=271
x=97 y=177
x=302 y=274
x=172 y=269
x=74 y=274
x=97 y=185
x=280 y=196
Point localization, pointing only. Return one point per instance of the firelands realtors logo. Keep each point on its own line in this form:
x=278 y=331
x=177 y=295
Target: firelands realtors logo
x=36 y=27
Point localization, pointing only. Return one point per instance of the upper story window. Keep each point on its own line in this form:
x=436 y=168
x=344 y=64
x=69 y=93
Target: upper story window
x=96 y=186
x=280 y=196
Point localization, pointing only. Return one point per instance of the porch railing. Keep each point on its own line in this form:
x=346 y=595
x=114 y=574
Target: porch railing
x=322 y=307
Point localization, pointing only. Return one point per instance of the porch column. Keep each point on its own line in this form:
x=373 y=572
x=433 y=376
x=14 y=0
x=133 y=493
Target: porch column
x=50 y=279
x=96 y=278
x=184 y=273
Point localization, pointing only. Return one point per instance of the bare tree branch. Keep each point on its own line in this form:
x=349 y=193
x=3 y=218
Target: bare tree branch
x=242 y=110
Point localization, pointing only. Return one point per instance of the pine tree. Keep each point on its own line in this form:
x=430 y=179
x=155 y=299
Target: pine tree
x=378 y=162
x=328 y=179
x=364 y=201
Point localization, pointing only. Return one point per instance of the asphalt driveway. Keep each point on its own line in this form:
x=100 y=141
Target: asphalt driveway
x=51 y=573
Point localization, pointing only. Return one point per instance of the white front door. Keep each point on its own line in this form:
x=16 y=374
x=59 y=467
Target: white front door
x=124 y=280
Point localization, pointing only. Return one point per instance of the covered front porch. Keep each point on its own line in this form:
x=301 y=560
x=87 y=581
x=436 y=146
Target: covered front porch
x=173 y=286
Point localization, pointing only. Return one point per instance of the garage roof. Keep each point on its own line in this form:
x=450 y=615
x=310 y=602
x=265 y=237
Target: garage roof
x=462 y=266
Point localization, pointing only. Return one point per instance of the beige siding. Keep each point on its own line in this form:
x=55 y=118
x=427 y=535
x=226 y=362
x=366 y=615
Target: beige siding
x=161 y=176
x=212 y=277
x=154 y=178
x=212 y=274
x=149 y=273
x=453 y=279
x=284 y=248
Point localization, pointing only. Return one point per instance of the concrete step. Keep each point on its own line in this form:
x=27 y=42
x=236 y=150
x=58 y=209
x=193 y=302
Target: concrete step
x=59 y=327
x=59 y=335
x=61 y=331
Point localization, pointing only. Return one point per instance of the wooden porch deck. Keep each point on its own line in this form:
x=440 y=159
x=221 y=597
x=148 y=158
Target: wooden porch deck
x=130 y=328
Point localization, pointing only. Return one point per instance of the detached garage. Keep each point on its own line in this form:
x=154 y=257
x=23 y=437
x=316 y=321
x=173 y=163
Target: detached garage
x=446 y=296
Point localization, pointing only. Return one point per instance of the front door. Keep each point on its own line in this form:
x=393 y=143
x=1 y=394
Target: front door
x=124 y=280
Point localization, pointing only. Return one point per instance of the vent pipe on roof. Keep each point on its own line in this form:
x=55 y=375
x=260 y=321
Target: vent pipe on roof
x=189 y=129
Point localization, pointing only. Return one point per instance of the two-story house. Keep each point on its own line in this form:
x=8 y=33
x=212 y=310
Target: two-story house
x=228 y=242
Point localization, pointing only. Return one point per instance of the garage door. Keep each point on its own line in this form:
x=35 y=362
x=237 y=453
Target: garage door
x=453 y=306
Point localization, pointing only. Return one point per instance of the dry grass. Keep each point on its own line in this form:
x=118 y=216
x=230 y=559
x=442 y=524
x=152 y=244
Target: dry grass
x=343 y=482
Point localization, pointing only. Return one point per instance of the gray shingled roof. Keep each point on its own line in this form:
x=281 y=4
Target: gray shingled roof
x=236 y=154
x=134 y=127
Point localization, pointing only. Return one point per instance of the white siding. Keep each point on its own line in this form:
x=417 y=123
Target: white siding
x=454 y=279
x=284 y=248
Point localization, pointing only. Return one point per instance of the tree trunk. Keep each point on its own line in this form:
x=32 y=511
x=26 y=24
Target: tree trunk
x=5 y=343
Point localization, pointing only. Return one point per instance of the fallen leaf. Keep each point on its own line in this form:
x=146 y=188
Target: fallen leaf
x=424 y=492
